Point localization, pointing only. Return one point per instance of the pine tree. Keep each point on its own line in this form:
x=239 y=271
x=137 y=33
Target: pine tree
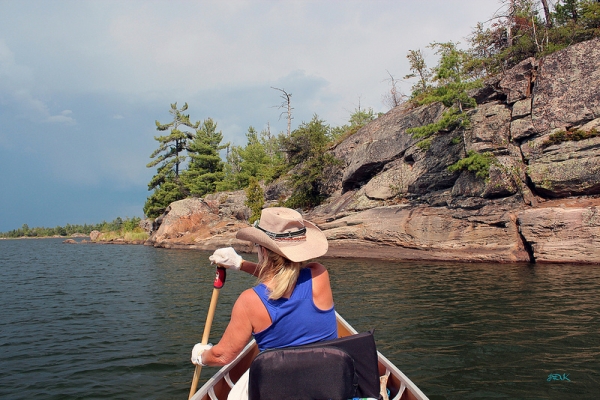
x=255 y=160
x=260 y=158
x=358 y=119
x=169 y=153
x=255 y=199
x=518 y=32
x=163 y=195
x=306 y=150
x=168 y=157
x=231 y=170
x=419 y=70
x=452 y=83
x=205 y=169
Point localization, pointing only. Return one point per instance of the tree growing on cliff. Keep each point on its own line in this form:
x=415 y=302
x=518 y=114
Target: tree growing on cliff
x=255 y=159
x=359 y=118
x=255 y=199
x=169 y=153
x=287 y=105
x=307 y=157
x=518 y=31
x=419 y=70
x=163 y=195
x=394 y=97
x=449 y=85
x=478 y=164
x=168 y=157
x=260 y=158
x=205 y=169
x=231 y=169
x=576 y=20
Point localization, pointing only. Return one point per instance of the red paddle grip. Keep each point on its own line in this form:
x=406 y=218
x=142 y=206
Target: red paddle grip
x=219 y=278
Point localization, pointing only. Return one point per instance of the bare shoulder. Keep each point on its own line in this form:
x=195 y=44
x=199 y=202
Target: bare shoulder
x=254 y=310
x=248 y=298
x=246 y=304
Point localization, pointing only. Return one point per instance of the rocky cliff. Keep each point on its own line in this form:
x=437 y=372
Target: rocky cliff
x=394 y=196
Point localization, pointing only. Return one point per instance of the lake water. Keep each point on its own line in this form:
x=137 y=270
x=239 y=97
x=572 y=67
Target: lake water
x=118 y=322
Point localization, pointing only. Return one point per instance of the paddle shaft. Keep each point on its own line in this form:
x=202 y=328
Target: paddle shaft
x=218 y=284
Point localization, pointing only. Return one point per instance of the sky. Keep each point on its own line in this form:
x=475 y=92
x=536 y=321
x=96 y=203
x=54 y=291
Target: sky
x=82 y=83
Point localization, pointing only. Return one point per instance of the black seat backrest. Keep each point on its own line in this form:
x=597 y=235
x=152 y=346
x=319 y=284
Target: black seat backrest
x=363 y=350
x=360 y=347
x=302 y=374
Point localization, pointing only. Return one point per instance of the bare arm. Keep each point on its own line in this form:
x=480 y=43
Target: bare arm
x=237 y=334
x=249 y=267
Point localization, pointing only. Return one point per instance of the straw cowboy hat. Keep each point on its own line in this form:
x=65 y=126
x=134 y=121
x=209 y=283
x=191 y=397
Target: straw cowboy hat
x=283 y=231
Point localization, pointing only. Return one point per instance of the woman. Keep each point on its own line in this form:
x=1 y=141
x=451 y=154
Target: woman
x=292 y=304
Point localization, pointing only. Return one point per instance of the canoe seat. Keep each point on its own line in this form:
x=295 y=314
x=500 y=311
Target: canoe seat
x=317 y=373
x=343 y=368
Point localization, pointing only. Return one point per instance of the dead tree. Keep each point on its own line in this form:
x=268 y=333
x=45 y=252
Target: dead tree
x=287 y=105
x=547 y=14
x=394 y=97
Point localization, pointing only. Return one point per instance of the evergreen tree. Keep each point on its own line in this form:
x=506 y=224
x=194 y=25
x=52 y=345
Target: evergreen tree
x=255 y=199
x=260 y=158
x=254 y=160
x=576 y=21
x=231 y=170
x=307 y=157
x=163 y=195
x=169 y=153
x=567 y=11
x=358 y=119
x=519 y=32
x=205 y=169
x=168 y=157
x=452 y=81
x=419 y=70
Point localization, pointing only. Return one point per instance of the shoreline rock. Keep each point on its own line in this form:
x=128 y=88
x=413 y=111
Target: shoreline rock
x=393 y=196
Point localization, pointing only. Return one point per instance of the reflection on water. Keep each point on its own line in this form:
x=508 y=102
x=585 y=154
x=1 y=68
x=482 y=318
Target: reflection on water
x=119 y=322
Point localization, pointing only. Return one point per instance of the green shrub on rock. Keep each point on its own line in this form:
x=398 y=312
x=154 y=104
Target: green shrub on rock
x=476 y=163
x=566 y=136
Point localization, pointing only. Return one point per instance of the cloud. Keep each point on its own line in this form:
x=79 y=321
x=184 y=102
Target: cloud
x=11 y=74
x=177 y=49
x=16 y=85
x=62 y=118
x=34 y=109
x=81 y=83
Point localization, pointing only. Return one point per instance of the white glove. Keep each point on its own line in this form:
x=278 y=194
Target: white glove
x=197 y=351
x=226 y=257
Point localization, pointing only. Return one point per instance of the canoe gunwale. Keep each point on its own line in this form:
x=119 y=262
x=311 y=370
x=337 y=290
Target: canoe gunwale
x=397 y=378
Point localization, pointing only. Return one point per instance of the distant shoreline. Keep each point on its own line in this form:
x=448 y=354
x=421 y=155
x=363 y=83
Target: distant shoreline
x=46 y=237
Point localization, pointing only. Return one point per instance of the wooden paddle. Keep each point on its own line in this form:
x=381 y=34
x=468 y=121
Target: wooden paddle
x=217 y=284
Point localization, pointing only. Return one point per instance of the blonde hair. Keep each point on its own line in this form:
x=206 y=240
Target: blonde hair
x=282 y=273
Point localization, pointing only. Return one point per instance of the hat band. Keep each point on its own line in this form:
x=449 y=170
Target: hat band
x=295 y=235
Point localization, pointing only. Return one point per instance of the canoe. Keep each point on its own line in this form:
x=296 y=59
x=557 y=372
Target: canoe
x=219 y=385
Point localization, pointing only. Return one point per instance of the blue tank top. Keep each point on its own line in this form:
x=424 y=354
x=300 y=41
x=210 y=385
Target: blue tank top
x=297 y=320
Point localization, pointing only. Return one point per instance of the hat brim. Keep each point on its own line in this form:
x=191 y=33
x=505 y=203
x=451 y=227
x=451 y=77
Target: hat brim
x=314 y=246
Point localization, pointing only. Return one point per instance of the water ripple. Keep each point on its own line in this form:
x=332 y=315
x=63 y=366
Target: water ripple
x=118 y=322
